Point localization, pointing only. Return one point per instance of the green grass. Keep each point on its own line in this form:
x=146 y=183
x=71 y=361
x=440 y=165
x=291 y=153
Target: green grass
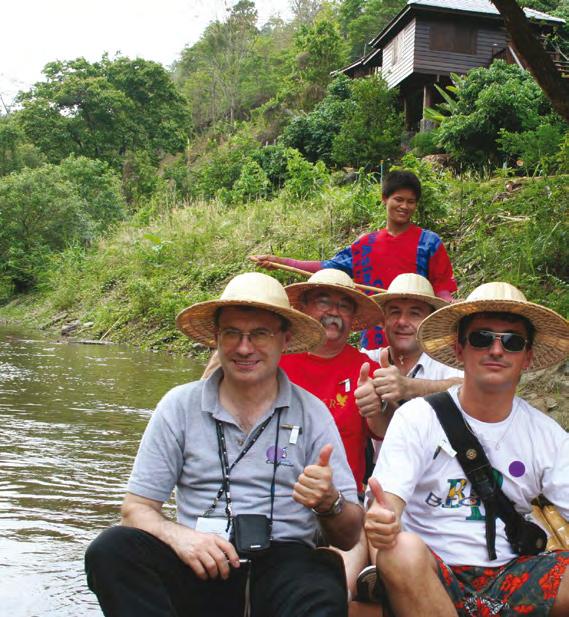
x=132 y=283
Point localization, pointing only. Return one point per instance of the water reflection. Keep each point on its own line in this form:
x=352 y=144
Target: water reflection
x=71 y=417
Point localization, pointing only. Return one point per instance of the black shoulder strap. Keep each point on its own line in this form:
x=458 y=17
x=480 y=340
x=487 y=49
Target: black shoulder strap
x=478 y=470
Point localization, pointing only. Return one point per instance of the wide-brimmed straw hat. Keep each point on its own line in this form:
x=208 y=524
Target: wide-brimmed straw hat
x=367 y=314
x=256 y=290
x=437 y=334
x=410 y=286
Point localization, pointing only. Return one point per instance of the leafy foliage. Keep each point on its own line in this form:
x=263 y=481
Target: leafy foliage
x=484 y=102
x=15 y=151
x=356 y=124
x=47 y=209
x=103 y=110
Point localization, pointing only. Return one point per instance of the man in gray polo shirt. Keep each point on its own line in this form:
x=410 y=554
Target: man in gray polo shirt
x=258 y=467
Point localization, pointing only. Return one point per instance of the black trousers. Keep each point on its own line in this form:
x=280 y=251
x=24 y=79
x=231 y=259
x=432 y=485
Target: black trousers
x=134 y=574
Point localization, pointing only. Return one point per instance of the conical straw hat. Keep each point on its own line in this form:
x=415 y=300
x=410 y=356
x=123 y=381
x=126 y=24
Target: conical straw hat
x=367 y=315
x=437 y=333
x=409 y=286
x=257 y=290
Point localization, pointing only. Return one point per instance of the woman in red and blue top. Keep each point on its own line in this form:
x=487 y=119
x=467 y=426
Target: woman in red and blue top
x=378 y=257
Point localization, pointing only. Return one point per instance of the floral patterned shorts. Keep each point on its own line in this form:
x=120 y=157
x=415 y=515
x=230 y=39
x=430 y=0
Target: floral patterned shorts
x=526 y=585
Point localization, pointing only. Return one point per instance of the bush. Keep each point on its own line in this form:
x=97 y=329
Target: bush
x=253 y=182
x=356 y=124
x=304 y=178
x=50 y=208
x=425 y=143
x=484 y=102
x=536 y=150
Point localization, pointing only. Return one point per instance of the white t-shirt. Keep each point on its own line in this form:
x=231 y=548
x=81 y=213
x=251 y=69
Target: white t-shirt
x=528 y=449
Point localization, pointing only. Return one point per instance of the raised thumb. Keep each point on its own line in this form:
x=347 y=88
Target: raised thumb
x=324 y=456
x=364 y=374
x=378 y=493
x=384 y=359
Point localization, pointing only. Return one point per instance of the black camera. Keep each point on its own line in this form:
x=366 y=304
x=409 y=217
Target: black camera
x=251 y=533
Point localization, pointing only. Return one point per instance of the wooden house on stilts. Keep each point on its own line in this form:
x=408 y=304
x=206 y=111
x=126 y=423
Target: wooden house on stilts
x=430 y=39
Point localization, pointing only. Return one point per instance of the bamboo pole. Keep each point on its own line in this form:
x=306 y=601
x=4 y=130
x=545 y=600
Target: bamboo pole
x=279 y=266
x=553 y=542
x=559 y=525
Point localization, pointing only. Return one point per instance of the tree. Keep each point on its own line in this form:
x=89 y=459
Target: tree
x=47 y=209
x=104 y=109
x=373 y=130
x=362 y=20
x=356 y=124
x=227 y=46
x=15 y=151
x=537 y=59
x=319 y=50
x=486 y=101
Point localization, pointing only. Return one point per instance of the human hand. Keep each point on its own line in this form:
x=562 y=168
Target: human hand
x=367 y=399
x=314 y=488
x=390 y=384
x=207 y=554
x=381 y=523
x=265 y=261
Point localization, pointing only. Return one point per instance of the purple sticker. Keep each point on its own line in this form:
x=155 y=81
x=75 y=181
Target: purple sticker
x=281 y=454
x=517 y=469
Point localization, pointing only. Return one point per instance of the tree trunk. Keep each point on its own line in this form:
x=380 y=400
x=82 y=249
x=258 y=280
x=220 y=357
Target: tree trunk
x=538 y=61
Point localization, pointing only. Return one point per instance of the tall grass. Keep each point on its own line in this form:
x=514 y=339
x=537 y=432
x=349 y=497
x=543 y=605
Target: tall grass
x=135 y=280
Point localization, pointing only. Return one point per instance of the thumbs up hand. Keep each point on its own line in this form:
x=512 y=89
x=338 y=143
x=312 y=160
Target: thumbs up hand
x=367 y=399
x=381 y=523
x=314 y=488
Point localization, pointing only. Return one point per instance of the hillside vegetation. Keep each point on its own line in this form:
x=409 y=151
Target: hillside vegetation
x=132 y=282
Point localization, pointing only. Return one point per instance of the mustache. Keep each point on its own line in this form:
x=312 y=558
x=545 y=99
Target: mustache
x=332 y=320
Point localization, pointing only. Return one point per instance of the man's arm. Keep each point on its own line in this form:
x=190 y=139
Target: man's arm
x=207 y=554
x=315 y=489
x=383 y=518
x=391 y=386
x=268 y=261
x=370 y=405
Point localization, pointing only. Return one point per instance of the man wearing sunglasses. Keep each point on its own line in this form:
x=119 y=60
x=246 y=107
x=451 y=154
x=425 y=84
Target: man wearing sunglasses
x=448 y=562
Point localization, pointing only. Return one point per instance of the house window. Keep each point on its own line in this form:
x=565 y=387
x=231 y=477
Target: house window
x=447 y=36
x=395 y=45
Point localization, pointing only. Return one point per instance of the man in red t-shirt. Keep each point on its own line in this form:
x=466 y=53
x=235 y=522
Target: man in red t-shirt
x=331 y=372
x=376 y=258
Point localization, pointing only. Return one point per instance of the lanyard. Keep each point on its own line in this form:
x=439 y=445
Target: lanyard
x=226 y=469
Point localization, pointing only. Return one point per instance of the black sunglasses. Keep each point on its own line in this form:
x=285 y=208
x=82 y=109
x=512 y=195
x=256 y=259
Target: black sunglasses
x=485 y=338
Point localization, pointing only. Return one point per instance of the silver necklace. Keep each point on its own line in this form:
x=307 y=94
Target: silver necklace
x=497 y=442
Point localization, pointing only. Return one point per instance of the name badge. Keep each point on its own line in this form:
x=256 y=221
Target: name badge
x=446 y=447
x=213 y=525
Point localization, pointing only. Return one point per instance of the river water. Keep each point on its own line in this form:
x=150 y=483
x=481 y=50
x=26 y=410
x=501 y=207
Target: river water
x=71 y=417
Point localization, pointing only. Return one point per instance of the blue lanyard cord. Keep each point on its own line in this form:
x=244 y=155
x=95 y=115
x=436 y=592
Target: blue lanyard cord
x=226 y=469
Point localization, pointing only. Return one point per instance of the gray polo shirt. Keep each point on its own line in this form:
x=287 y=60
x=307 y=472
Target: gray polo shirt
x=179 y=449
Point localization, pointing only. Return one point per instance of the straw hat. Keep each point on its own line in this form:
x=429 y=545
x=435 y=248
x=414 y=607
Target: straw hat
x=412 y=287
x=367 y=315
x=437 y=334
x=256 y=290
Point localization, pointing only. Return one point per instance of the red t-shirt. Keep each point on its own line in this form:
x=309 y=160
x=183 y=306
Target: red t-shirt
x=333 y=381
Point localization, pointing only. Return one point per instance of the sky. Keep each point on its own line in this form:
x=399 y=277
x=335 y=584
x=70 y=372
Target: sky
x=35 y=32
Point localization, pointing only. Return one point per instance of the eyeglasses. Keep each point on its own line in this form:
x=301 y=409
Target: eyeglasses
x=259 y=338
x=485 y=338
x=325 y=304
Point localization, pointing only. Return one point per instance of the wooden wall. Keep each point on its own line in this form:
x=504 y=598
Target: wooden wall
x=489 y=40
x=398 y=56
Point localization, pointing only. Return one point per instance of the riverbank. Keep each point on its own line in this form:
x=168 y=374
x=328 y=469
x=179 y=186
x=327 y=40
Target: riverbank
x=129 y=286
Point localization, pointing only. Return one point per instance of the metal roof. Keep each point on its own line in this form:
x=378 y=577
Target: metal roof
x=480 y=6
